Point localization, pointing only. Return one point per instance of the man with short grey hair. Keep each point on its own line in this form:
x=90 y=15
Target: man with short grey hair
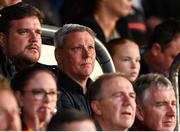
x=75 y=55
x=156 y=104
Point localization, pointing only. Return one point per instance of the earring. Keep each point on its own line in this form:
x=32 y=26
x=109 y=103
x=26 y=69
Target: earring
x=55 y=110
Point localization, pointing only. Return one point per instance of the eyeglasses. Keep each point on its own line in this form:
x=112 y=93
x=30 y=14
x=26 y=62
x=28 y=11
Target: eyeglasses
x=40 y=94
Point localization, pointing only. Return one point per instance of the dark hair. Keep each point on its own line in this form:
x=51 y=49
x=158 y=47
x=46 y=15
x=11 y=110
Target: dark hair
x=164 y=33
x=15 y=12
x=66 y=116
x=20 y=79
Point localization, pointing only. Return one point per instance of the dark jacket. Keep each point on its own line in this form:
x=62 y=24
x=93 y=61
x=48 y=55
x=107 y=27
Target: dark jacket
x=121 y=27
x=98 y=127
x=72 y=94
x=139 y=126
x=144 y=67
x=7 y=68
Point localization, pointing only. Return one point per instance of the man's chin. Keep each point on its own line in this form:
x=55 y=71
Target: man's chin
x=25 y=62
x=86 y=74
x=31 y=59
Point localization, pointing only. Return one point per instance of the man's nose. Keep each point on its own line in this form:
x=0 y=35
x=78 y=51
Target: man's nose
x=86 y=52
x=34 y=36
x=126 y=100
x=171 y=110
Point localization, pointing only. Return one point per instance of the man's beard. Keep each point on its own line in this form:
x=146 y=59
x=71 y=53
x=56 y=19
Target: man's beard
x=22 y=61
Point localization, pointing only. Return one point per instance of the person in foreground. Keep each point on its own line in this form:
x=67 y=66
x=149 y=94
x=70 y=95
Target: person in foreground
x=156 y=104
x=9 y=111
x=71 y=120
x=36 y=91
x=112 y=100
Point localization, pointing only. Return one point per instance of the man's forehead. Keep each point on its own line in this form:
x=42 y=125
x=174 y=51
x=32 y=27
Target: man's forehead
x=26 y=20
x=77 y=32
x=74 y=38
x=118 y=84
x=161 y=93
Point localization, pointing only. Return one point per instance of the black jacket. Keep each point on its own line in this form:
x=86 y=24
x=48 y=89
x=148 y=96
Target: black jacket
x=7 y=68
x=121 y=27
x=72 y=95
x=144 y=67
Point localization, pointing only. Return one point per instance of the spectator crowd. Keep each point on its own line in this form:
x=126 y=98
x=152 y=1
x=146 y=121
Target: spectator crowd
x=138 y=96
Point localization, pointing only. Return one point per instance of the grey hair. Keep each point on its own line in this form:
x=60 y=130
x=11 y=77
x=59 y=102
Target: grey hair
x=149 y=81
x=69 y=28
